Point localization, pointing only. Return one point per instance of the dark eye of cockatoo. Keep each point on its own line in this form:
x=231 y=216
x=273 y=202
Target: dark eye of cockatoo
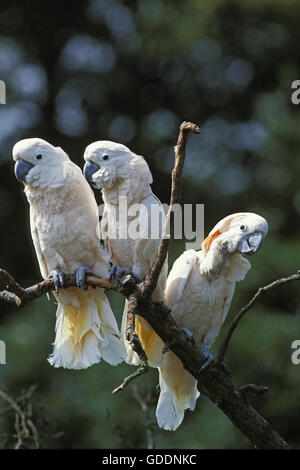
x=105 y=157
x=39 y=156
x=242 y=227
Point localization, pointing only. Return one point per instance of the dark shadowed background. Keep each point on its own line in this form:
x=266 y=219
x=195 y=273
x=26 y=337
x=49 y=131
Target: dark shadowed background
x=131 y=71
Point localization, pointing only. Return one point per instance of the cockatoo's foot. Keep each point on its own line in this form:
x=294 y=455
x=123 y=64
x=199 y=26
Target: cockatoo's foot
x=188 y=332
x=117 y=272
x=189 y=335
x=208 y=357
x=58 y=279
x=81 y=273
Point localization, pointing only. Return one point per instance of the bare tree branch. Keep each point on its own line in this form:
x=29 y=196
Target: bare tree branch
x=20 y=296
x=25 y=429
x=149 y=284
x=215 y=381
x=145 y=404
x=252 y=388
x=135 y=344
x=253 y=301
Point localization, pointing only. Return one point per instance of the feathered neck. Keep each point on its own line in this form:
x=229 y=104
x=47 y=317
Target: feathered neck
x=49 y=200
x=53 y=176
x=134 y=187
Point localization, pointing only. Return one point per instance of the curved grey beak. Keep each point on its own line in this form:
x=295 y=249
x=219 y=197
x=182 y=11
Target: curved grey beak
x=22 y=169
x=249 y=244
x=88 y=170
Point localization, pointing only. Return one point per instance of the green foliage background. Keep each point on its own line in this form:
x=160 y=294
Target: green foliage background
x=131 y=71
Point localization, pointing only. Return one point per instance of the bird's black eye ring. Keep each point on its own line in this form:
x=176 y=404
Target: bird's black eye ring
x=105 y=157
x=242 y=227
x=39 y=156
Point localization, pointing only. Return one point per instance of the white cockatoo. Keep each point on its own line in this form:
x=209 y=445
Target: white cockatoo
x=199 y=290
x=63 y=221
x=132 y=225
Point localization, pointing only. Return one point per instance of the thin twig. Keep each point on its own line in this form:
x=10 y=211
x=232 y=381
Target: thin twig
x=148 y=286
x=34 y=432
x=10 y=283
x=253 y=301
x=135 y=344
x=24 y=426
x=17 y=409
x=145 y=405
x=256 y=389
x=252 y=388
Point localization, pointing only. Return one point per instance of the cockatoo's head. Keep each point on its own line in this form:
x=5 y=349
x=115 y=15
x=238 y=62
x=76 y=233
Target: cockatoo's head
x=109 y=164
x=39 y=163
x=242 y=232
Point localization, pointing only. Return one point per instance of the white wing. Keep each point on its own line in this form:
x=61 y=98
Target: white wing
x=37 y=246
x=179 y=276
x=151 y=223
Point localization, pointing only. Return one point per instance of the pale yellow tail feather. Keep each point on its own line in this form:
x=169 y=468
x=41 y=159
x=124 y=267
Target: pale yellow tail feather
x=178 y=392
x=86 y=330
x=150 y=341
